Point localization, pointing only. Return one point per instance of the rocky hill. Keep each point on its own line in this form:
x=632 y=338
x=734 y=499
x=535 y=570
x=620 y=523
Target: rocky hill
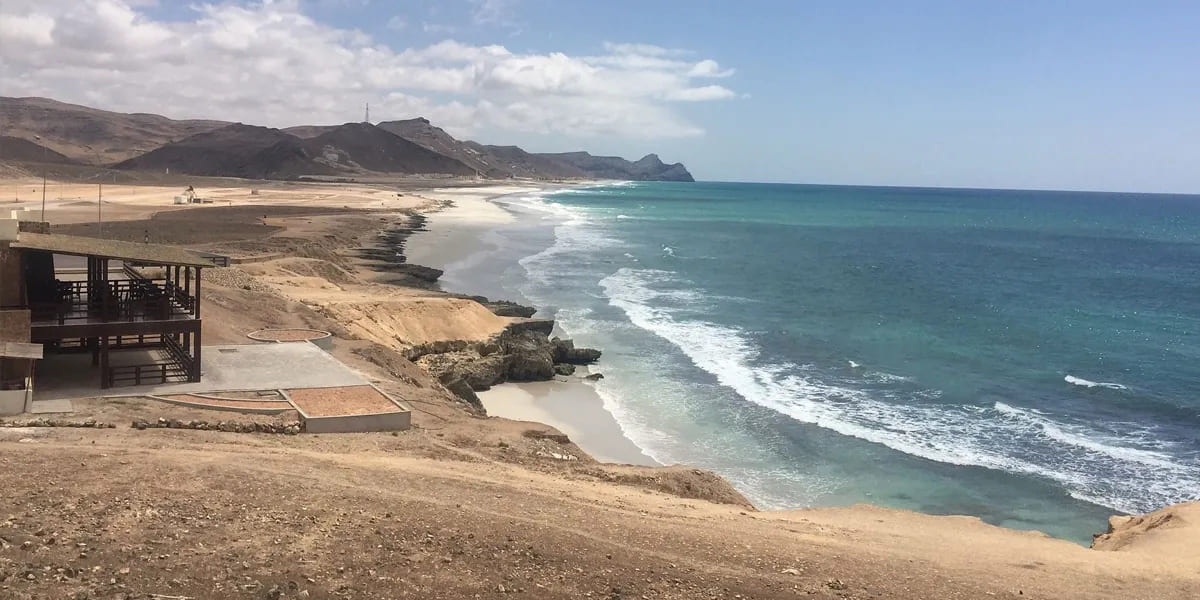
x=648 y=168
x=235 y=151
x=89 y=135
x=421 y=131
x=23 y=150
x=412 y=146
x=519 y=163
x=363 y=146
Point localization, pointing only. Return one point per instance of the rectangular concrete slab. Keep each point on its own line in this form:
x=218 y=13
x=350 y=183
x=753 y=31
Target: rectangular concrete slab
x=224 y=368
x=44 y=407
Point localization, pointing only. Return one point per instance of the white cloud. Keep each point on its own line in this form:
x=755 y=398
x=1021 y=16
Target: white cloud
x=700 y=94
x=709 y=68
x=271 y=64
x=397 y=23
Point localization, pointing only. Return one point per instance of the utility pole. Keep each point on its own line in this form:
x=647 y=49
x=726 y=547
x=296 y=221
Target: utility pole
x=367 y=114
x=99 y=207
x=39 y=139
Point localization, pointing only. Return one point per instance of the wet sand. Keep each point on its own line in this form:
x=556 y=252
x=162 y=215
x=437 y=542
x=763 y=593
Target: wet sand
x=572 y=407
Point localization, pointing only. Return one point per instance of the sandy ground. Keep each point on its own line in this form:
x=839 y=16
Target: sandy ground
x=170 y=514
x=75 y=202
x=455 y=233
x=463 y=506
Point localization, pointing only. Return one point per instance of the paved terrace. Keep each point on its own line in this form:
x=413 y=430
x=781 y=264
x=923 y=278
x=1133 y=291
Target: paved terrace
x=224 y=369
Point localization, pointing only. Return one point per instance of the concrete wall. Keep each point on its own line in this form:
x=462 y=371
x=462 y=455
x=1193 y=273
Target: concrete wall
x=12 y=402
x=14 y=325
x=397 y=421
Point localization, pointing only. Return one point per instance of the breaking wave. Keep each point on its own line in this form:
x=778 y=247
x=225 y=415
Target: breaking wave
x=1103 y=468
x=1071 y=379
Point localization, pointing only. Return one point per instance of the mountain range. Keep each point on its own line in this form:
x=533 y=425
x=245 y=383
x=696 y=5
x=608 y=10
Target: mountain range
x=44 y=130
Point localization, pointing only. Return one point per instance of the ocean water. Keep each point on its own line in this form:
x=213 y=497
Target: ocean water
x=1031 y=358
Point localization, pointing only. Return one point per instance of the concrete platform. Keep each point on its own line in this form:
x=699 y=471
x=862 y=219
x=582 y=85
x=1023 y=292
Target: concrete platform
x=47 y=407
x=226 y=368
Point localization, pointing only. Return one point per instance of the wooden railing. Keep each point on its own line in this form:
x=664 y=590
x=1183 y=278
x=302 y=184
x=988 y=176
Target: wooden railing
x=177 y=365
x=137 y=298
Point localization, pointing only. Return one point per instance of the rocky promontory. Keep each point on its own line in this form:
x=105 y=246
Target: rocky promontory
x=522 y=352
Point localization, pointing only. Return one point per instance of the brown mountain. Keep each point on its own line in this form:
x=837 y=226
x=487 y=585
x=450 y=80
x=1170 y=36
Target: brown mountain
x=89 y=135
x=647 y=168
x=421 y=131
x=235 y=150
x=412 y=146
x=22 y=150
x=308 y=131
x=520 y=163
x=365 y=146
x=263 y=153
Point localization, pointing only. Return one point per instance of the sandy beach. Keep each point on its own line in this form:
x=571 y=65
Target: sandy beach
x=456 y=238
x=571 y=407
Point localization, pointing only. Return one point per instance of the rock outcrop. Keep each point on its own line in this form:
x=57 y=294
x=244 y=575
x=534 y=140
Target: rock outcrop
x=1170 y=531
x=566 y=352
x=520 y=353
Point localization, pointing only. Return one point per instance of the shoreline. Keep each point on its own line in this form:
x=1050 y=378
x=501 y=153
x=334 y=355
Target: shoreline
x=487 y=487
x=452 y=239
x=572 y=405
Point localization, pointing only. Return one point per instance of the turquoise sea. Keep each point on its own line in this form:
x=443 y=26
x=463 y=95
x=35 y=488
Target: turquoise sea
x=1028 y=357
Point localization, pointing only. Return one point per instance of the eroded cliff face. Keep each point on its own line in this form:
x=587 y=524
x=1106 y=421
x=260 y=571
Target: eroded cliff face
x=1172 y=532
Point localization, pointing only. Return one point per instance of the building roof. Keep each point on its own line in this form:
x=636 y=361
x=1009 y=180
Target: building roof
x=153 y=254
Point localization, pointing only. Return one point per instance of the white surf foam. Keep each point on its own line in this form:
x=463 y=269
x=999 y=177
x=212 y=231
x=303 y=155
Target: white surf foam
x=853 y=365
x=1092 y=384
x=1108 y=470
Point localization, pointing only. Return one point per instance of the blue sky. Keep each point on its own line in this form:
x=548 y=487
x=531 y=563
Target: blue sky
x=1062 y=95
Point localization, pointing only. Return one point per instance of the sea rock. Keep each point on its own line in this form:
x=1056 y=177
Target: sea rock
x=478 y=372
x=566 y=352
x=530 y=357
x=594 y=376
x=564 y=369
x=542 y=326
x=506 y=308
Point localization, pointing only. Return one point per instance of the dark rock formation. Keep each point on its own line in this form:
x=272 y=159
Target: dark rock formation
x=463 y=390
x=530 y=358
x=521 y=353
x=505 y=308
x=566 y=352
x=542 y=326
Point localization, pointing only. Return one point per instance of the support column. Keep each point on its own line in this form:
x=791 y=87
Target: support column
x=104 y=382
x=195 y=374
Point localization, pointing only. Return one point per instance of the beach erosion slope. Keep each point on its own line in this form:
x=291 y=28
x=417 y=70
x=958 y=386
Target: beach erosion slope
x=461 y=505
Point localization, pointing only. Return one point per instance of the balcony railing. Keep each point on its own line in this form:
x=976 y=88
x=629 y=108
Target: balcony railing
x=122 y=300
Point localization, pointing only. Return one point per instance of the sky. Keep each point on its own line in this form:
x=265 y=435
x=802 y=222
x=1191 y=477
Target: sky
x=1091 y=95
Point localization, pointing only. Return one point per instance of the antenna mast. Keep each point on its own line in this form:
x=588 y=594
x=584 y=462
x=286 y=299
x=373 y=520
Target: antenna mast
x=367 y=113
